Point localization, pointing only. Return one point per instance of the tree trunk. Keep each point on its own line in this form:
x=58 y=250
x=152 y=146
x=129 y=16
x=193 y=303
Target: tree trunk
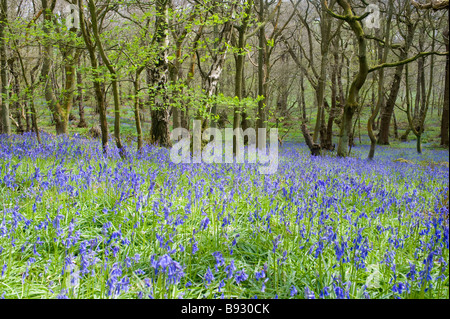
x=445 y=110
x=412 y=127
x=388 y=109
x=4 y=112
x=395 y=126
x=325 y=29
x=101 y=106
x=59 y=111
x=313 y=147
x=159 y=131
x=27 y=116
x=382 y=55
x=80 y=102
x=137 y=116
x=114 y=78
x=335 y=110
x=239 y=75
x=351 y=104
x=17 y=106
x=262 y=77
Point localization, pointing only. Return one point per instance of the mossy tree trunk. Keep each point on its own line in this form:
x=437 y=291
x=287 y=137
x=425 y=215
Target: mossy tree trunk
x=351 y=104
x=383 y=54
x=101 y=106
x=4 y=111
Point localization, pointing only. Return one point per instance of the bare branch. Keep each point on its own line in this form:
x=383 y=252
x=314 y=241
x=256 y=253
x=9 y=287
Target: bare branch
x=406 y=61
x=431 y=4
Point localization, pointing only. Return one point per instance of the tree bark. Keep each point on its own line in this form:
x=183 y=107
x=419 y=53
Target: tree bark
x=5 y=121
x=445 y=110
x=351 y=104
x=114 y=79
x=262 y=75
x=17 y=105
x=388 y=109
x=101 y=107
x=137 y=115
x=159 y=131
x=325 y=29
x=239 y=75
x=80 y=100
x=383 y=54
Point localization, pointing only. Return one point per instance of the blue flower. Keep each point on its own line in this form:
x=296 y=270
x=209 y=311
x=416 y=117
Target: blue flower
x=294 y=291
x=324 y=293
x=63 y=294
x=209 y=277
x=219 y=260
x=412 y=272
x=240 y=276
x=230 y=269
x=340 y=294
x=309 y=294
x=399 y=288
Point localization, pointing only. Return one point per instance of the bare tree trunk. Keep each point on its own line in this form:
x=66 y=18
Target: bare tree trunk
x=159 y=132
x=313 y=147
x=262 y=75
x=27 y=116
x=325 y=29
x=388 y=109
x=137 y=115
x=383 y=54
x=351 y=104
x=412 y=127
x=114 y=79
x=59 y=111
x=5 y=122
x=302 y=102
x=239 y=75
x=80 y=99
x=334 y=111
x=101 y=107
x=395 y=126
x=17 y=106
x=445 y=110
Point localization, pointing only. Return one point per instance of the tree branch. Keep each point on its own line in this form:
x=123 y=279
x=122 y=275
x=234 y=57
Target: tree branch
x=394 y=64
x=431 y=4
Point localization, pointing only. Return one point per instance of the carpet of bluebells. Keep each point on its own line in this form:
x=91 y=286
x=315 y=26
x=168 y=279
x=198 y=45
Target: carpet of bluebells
x=77 y=224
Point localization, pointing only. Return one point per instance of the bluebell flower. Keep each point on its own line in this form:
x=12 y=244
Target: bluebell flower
x=340 y=294
x=139 y=272
x=240 y=276
x=209 y=277
x=204 y=223
x=309 y=294
x=412 y=272
x=275 y=243
x=221 y=285
x=229 y=270
x=194 y=247
x=219 y=259
x=294 y=291
x=324 y=293
x=63 y=294
x=113 y=280
x=399 y=288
